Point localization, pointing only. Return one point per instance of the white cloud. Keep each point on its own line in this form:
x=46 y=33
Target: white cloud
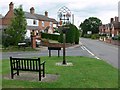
x=82 y=9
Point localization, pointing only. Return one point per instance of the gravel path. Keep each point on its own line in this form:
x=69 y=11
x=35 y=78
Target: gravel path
x=32 y=77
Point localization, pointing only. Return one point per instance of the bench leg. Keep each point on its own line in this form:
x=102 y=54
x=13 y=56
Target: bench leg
x=39 y=75
x=17 y=68
x=12 y=74
x=43 y=70
x=18 y=72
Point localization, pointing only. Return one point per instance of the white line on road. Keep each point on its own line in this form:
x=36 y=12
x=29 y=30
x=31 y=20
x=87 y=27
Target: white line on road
x=84 y=48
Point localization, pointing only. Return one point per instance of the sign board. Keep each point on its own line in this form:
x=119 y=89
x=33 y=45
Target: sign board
x=21 y=43
x=89 y=32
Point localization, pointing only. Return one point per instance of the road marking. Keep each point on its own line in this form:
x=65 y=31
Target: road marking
x=88 y=51
x=84 y=48
x=97 y=57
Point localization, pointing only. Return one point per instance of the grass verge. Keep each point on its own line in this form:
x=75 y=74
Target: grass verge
x=85 y=73
x=15 y=48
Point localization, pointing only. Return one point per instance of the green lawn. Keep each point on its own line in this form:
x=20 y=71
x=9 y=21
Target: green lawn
x=85 y=73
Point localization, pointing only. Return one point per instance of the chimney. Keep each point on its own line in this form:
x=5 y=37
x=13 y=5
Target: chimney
x=46 y=13
x=11 y=5
x=32 y=10
x=116 y=19
x=111 y=20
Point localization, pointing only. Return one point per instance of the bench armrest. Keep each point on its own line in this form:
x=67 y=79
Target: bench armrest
x=42 y=63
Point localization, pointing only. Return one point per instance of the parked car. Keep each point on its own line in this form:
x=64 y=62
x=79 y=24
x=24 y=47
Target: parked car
x=38 y=42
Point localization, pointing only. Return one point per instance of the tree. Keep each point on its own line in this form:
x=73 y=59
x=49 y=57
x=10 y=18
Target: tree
x=16 y=31
x=91 y=24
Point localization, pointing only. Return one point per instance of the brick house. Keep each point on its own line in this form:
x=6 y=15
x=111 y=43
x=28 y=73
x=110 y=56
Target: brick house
x=111 y=29
x=35 y=22
x=0 y=22
x=6 y=20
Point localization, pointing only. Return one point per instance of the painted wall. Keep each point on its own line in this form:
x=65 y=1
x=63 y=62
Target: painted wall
x=30 y=22
x=28 y=33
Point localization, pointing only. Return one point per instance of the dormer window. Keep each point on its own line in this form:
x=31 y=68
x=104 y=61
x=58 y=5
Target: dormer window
x=34 y=21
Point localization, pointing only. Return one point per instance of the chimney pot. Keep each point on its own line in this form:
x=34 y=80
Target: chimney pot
x=111 y=20
x=116 y=19
x=46 y=13
x=11 y=5
x=32 y=10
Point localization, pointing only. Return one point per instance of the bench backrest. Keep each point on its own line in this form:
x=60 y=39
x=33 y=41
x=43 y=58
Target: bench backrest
x=25 y=64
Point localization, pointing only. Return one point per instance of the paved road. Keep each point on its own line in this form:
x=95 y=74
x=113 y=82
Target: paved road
x=102 y=50
x=72 y=51
x=88 y=48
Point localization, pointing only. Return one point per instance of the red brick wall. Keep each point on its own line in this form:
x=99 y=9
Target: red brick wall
x=8 y=17
x=0 y=21
x=46 y=23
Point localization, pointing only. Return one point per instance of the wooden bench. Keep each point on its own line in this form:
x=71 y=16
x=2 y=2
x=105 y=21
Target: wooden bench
x=54 y=48
x=27 y=64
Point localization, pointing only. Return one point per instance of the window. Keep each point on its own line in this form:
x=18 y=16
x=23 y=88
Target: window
x=34 y=21
x=43 y=23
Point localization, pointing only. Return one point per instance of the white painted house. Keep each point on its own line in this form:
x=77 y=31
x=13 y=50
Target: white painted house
x=37 y=23
x=32 y=24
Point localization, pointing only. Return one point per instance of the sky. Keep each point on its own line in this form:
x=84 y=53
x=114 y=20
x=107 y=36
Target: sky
x=82 y=9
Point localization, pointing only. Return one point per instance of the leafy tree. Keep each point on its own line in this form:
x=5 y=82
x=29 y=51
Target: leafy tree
x=16 y=31
x=91 y=24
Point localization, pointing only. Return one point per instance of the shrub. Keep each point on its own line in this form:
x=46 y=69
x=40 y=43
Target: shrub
x=50 y=36
x=95 y=36
x=119 y=37
x=115 y=38
x=5 y=40
x=77 y=36
x=87 y=35
x=60 y=38
x=104 y=35
x=70 y=35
